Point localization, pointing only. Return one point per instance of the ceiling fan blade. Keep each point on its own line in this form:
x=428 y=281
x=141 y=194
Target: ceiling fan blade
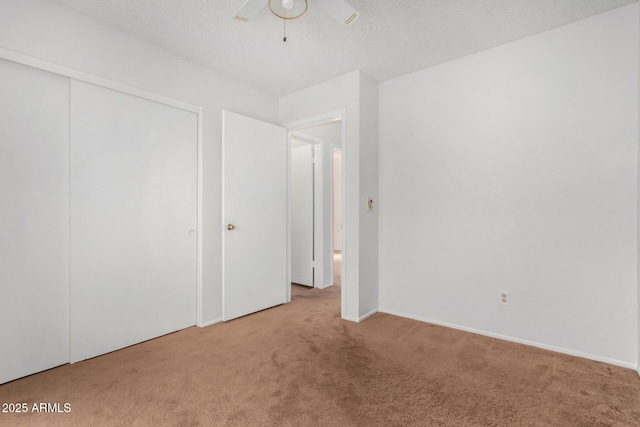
x=249 y=9
x=340 y=10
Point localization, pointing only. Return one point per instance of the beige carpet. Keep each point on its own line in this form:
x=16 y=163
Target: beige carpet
x=301 y=365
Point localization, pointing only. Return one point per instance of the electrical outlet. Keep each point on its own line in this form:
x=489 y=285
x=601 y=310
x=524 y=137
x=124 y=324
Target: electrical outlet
x=505 y=297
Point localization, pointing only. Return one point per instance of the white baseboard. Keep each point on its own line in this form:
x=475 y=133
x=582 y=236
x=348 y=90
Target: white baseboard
x=516 y=340
x=324 y=286
x=210 y=322
x=361 y=318
x=367 y=315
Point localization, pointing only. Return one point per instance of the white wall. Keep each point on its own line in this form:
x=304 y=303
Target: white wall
x=516 y=168
x=368 y=189
x=330 y=133
x=338 y=93
x=50 y=31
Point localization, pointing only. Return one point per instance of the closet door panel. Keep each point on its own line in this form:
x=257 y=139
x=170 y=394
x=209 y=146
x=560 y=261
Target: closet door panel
x=133 y=216
x=34 y=220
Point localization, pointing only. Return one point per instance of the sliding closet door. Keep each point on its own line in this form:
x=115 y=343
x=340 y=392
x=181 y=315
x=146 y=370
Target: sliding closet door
x=34 y=220
x=133 y=216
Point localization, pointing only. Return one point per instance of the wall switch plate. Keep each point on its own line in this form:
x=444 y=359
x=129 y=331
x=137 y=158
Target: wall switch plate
x=505 y=297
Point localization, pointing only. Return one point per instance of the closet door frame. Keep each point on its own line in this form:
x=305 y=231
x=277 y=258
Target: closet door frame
x=23 y=59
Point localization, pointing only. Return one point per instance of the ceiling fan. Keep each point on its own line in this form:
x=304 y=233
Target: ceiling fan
x=340 y=10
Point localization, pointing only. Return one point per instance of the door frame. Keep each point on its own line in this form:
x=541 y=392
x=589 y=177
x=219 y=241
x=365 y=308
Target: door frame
x=299 y=125
x=318 y=145
x=41 y=64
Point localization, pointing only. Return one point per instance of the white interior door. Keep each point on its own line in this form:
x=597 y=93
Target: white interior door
x=302 y=213
x=254 y=214
x=337 y=199
x=34 y=220
x=133 y=216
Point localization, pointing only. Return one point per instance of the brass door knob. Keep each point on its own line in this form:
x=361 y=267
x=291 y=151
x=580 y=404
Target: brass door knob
x=231 y=227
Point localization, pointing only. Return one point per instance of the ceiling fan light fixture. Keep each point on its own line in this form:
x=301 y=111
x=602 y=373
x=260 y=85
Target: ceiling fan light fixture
x=281 y=9
x=288 y=4
x=340 y=10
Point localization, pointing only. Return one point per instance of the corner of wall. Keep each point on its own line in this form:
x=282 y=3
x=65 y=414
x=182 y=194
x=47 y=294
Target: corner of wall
x=368 y=98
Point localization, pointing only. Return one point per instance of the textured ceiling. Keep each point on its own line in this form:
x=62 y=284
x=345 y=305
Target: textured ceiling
x=391 y=38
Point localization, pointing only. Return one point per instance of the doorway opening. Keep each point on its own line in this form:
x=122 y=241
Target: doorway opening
x=327 y=134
